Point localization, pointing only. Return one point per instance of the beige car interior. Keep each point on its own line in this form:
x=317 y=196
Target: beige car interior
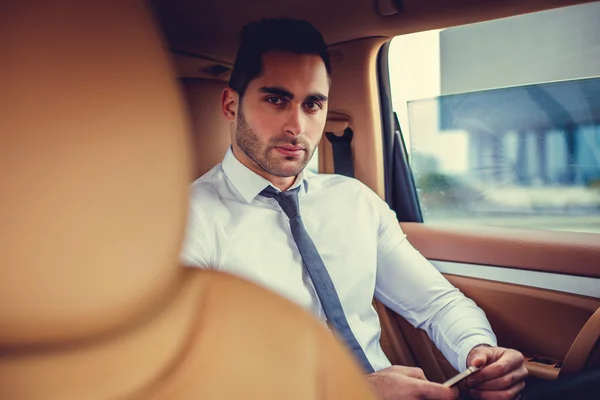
x=110 y=111
x=96 y=164
x=523 y=317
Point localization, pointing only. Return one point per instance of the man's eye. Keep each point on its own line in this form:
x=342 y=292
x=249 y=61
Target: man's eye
x=312 y=106
x=278 y=101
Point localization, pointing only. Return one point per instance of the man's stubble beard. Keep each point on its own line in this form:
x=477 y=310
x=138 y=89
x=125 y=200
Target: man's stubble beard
x=251 y=145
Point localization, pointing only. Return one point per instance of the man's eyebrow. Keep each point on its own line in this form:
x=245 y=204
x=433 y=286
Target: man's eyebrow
x=277 y=91
x=315 y=97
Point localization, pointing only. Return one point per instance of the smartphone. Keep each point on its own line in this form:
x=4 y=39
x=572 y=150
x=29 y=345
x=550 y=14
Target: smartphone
x=461 y=377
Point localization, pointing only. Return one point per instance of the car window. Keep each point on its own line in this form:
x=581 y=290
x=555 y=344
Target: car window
x=501 y=119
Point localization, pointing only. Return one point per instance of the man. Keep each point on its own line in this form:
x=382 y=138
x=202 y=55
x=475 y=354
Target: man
x=326 y=242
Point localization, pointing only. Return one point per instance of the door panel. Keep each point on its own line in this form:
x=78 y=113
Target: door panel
x=538 y=322
x=541 y=314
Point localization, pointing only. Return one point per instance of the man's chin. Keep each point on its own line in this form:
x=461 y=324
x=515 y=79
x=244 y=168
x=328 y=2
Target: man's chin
x=292 y=169
x=286 y=174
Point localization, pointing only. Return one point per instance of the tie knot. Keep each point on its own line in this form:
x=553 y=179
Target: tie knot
x=288 y=200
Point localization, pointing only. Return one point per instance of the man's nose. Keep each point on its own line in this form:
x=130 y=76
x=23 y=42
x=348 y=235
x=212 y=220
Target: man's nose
x=295 y=122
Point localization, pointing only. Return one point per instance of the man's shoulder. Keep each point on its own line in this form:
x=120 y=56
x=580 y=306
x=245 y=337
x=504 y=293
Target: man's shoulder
x=354 y=193
x=208 y=185
x=339 y=184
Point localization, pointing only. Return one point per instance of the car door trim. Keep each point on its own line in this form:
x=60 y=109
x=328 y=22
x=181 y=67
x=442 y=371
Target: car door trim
x=544 y=280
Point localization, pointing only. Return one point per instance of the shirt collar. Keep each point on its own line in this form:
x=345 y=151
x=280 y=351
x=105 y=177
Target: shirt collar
x=248 y=183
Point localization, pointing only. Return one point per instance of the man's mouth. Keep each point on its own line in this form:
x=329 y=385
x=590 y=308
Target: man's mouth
x=289 y=150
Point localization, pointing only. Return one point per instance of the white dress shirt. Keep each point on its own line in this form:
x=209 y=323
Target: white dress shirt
x=233 y=229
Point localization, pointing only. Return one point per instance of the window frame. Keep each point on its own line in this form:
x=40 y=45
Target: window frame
x=400 y=189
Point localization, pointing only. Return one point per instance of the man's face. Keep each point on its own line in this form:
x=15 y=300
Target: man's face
x=282 y=115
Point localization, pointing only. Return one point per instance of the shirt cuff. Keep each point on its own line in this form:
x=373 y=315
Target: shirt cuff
x=470 y=344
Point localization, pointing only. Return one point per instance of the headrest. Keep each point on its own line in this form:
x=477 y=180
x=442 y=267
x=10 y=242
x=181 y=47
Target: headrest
x=210 y=128
x=94 y=169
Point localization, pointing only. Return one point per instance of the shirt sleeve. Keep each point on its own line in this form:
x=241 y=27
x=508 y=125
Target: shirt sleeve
x=411 y=286
x=196 y=247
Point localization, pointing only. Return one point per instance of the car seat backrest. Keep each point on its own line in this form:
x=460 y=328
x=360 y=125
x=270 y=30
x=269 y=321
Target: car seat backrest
x=95 y=162
x=211 y=136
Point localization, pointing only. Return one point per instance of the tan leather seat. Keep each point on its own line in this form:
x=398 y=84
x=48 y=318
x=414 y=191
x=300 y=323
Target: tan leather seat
x=210 y=129
x=95 y=166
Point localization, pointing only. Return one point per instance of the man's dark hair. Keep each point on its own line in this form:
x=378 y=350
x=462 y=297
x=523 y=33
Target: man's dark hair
x=273 y=34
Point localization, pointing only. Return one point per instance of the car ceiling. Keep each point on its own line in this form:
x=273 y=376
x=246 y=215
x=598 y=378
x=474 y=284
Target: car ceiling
x=211 y=28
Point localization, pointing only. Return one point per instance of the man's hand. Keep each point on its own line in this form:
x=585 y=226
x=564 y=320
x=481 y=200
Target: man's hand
x=502 y=376
x=407 y=383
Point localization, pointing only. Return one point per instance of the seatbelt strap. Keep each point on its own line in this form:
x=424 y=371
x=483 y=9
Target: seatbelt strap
x=342 y=152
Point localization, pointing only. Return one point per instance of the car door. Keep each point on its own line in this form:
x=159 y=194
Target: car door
x=504 y=159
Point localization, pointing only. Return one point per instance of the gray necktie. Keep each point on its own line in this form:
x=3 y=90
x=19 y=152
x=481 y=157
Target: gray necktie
x=317 y=271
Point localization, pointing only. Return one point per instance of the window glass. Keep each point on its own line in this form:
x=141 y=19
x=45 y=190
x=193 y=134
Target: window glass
x=502 y=119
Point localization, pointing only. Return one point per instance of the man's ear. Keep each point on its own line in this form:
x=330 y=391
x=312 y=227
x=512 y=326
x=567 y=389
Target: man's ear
x=230 y=103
